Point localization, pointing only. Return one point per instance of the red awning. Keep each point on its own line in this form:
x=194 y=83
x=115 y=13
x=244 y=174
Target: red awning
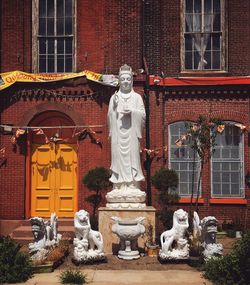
x=192 y=81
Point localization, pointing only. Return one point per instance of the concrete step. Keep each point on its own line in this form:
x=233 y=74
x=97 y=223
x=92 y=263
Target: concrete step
x=61 y=221
x=25 y=231
x=23 y=234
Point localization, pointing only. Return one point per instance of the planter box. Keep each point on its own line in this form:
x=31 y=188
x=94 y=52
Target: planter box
x=43 y=268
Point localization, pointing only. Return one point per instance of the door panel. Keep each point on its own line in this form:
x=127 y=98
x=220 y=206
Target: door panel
x=53 y=180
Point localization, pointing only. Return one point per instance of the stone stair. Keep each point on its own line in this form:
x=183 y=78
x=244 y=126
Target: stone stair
x=23 y=233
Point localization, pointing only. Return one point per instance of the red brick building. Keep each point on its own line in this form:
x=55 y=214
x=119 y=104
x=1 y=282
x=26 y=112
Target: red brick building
x=197 y=54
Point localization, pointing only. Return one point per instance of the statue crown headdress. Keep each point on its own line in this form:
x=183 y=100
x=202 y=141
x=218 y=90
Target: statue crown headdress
x=125 y=69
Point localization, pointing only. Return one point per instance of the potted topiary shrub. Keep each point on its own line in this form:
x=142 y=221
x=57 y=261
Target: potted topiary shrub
x=166 y=181
x=96 y=180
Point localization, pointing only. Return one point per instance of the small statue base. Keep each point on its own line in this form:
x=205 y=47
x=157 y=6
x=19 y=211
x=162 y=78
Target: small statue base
x=81 y=255
x=126 y=196
x=128 y=255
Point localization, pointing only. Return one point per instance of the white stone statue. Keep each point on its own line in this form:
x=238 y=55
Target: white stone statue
x=88 y=244
x=45 y=235
x=126 y=118
x=208 y=235
x=174 y=244
x=128 y=231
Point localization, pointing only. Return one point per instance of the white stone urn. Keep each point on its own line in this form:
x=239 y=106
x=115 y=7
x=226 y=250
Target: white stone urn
x=128 y=231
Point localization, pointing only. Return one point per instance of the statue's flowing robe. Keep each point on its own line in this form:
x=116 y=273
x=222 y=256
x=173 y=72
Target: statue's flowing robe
x=125 y=131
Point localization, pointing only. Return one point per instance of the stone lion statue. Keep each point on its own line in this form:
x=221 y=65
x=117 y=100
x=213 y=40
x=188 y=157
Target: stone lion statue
x=209 y=242
x=173 y=242
x=86 y=238
x=45 y=235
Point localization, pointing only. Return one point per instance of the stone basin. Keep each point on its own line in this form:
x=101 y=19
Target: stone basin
x=128 y=231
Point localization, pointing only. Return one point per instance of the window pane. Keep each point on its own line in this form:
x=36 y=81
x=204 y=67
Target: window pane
x=42 y=63
x=60 y=46
x=69 y=48
x=197 y=6
x=68 y=64
x=216 y=189
x=42 y=8
x=197 y=23
x=68 y=26
x=51 y=62
x=50 y=26
x=216 y=25
x=60 y=63
x=225 y=190
x=188 y=60
x=208 y=6
x=51 y=44
x=207 y=58
x=189 y=6
x=188 y=42
x=42 y=26
x=68 y=8
x=235 y=190
x=42 y=46
x=196 y=59
x=216 y=5
x=50 y=8
x=60 y=26
x=59 y=7
x=216 y=42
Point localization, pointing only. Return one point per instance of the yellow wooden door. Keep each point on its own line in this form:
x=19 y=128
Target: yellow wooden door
x=53 y=180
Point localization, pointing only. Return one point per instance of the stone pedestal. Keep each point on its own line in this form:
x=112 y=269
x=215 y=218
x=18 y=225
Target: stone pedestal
x=111 y=240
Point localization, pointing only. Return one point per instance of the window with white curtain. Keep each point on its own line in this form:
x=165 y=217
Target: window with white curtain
x=54 y=35
x=227 y=164
x=204 y=35
x=183 y=160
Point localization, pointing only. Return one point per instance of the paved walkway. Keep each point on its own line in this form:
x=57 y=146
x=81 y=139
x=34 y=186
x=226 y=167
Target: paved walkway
x=125 y=277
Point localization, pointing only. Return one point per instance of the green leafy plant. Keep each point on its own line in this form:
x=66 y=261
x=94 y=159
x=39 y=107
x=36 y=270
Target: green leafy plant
x=15 y=265
x=96 y=180
x=73 y=276
x=166 y=181
x=231 y=269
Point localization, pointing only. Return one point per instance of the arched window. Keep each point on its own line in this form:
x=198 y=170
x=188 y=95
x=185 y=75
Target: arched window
x=183 y=160
x=227 y=163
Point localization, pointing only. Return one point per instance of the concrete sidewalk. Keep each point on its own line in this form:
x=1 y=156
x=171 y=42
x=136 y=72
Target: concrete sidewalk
x=124 y=277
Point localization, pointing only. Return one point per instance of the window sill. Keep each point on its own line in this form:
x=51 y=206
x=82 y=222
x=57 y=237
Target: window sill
x=188 y=200
x=203 y=73
x=236 y=201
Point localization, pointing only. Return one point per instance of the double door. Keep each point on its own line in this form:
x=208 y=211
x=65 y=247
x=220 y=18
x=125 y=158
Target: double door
x=53 y=180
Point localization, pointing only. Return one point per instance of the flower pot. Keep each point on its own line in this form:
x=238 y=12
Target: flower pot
x=152 y=250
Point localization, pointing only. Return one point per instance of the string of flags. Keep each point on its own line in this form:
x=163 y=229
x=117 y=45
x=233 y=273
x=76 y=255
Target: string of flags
x=80 y=134
x=154 y=152
x=195 y=127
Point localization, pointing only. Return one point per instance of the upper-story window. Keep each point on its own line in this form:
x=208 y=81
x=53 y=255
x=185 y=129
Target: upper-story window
x=183 y=160
x=54 y=36
x=227 y=164
x=203 y=35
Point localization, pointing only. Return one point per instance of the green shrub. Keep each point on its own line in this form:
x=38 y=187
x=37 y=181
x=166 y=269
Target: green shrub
x=15 y=266
x=166 y=181
x=232 y=269
x=72 y=276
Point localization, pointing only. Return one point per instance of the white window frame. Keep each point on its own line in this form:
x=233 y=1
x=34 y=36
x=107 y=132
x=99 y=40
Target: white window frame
x=240 y=160
x=189 y=161
x=223 y=41
x=35 y=41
